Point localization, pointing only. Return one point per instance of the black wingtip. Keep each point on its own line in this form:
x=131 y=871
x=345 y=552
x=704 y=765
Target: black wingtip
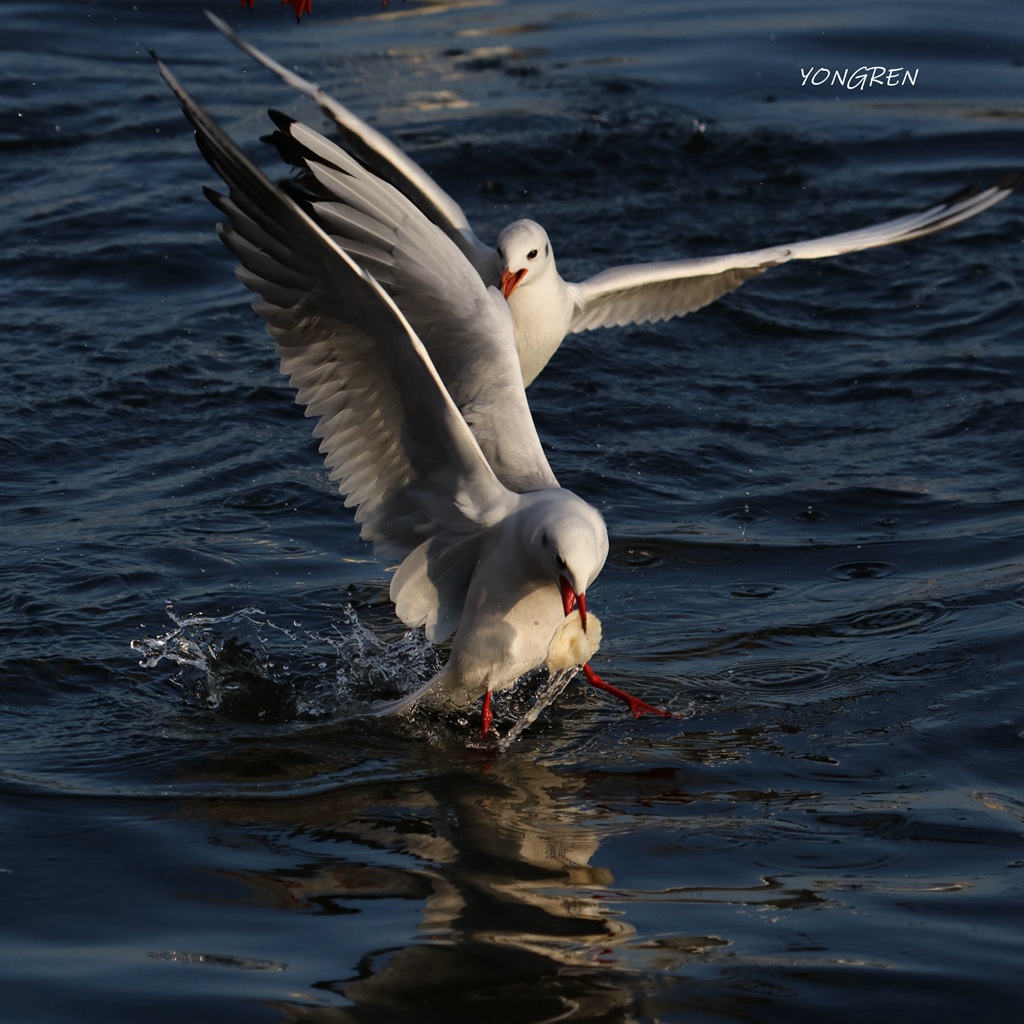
x=969 y=191
x=214 y=197
x=281 y=120
x=1009 y=182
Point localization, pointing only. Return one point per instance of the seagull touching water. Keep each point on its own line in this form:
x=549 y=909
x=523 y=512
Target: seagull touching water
x=546 y=308
x=506 y=570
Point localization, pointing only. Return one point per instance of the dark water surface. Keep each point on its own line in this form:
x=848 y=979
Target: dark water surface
x=814 y=490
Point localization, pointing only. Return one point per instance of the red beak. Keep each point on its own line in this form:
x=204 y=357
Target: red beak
x=570 y=600
x=509 y=280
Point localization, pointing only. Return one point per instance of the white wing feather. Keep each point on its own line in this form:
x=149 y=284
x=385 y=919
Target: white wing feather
x=650 y=292
x=392 y=436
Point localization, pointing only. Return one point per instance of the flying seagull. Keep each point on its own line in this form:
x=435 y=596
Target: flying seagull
x=546 y=308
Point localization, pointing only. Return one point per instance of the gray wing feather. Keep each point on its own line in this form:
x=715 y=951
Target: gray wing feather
x=391 y=435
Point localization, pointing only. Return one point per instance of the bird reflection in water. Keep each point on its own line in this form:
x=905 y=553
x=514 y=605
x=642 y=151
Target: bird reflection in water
x=513 y=924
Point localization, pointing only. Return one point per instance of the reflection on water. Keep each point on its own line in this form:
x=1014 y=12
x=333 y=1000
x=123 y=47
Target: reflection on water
x=501 y=858
x=536 y=893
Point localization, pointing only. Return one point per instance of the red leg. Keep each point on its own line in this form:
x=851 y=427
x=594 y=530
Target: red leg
x=486 y=716
x=636 y=705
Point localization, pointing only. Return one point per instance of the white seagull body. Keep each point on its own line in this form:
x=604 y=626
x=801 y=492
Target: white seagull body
x=546 y=308
x=506 y=568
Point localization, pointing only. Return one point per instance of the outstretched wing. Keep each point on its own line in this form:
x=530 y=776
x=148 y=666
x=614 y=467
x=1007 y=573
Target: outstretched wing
x=649 y=292
x=383 y=157
x=465 y=327
x=392 y=437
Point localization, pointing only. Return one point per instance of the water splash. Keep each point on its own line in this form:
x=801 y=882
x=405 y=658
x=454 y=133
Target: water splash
x=250 y=669
x=517 y=708
x=247 y=667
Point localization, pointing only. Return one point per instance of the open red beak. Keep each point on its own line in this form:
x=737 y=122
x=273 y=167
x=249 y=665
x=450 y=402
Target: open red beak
x=570 y=600
x=509 y=280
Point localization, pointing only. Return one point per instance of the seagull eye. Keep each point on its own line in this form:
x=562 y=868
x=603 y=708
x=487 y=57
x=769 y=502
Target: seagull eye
x=561 y=562
x=532 y=254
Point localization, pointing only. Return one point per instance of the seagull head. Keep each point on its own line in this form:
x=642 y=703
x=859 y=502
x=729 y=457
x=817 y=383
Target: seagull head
x=523 y=248
x=569 y=541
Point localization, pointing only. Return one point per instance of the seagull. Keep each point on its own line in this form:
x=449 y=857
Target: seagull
x=545 y=307
x=506 y=571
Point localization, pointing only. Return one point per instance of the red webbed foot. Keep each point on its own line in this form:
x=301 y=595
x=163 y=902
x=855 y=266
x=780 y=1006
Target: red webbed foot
x=636 y=705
